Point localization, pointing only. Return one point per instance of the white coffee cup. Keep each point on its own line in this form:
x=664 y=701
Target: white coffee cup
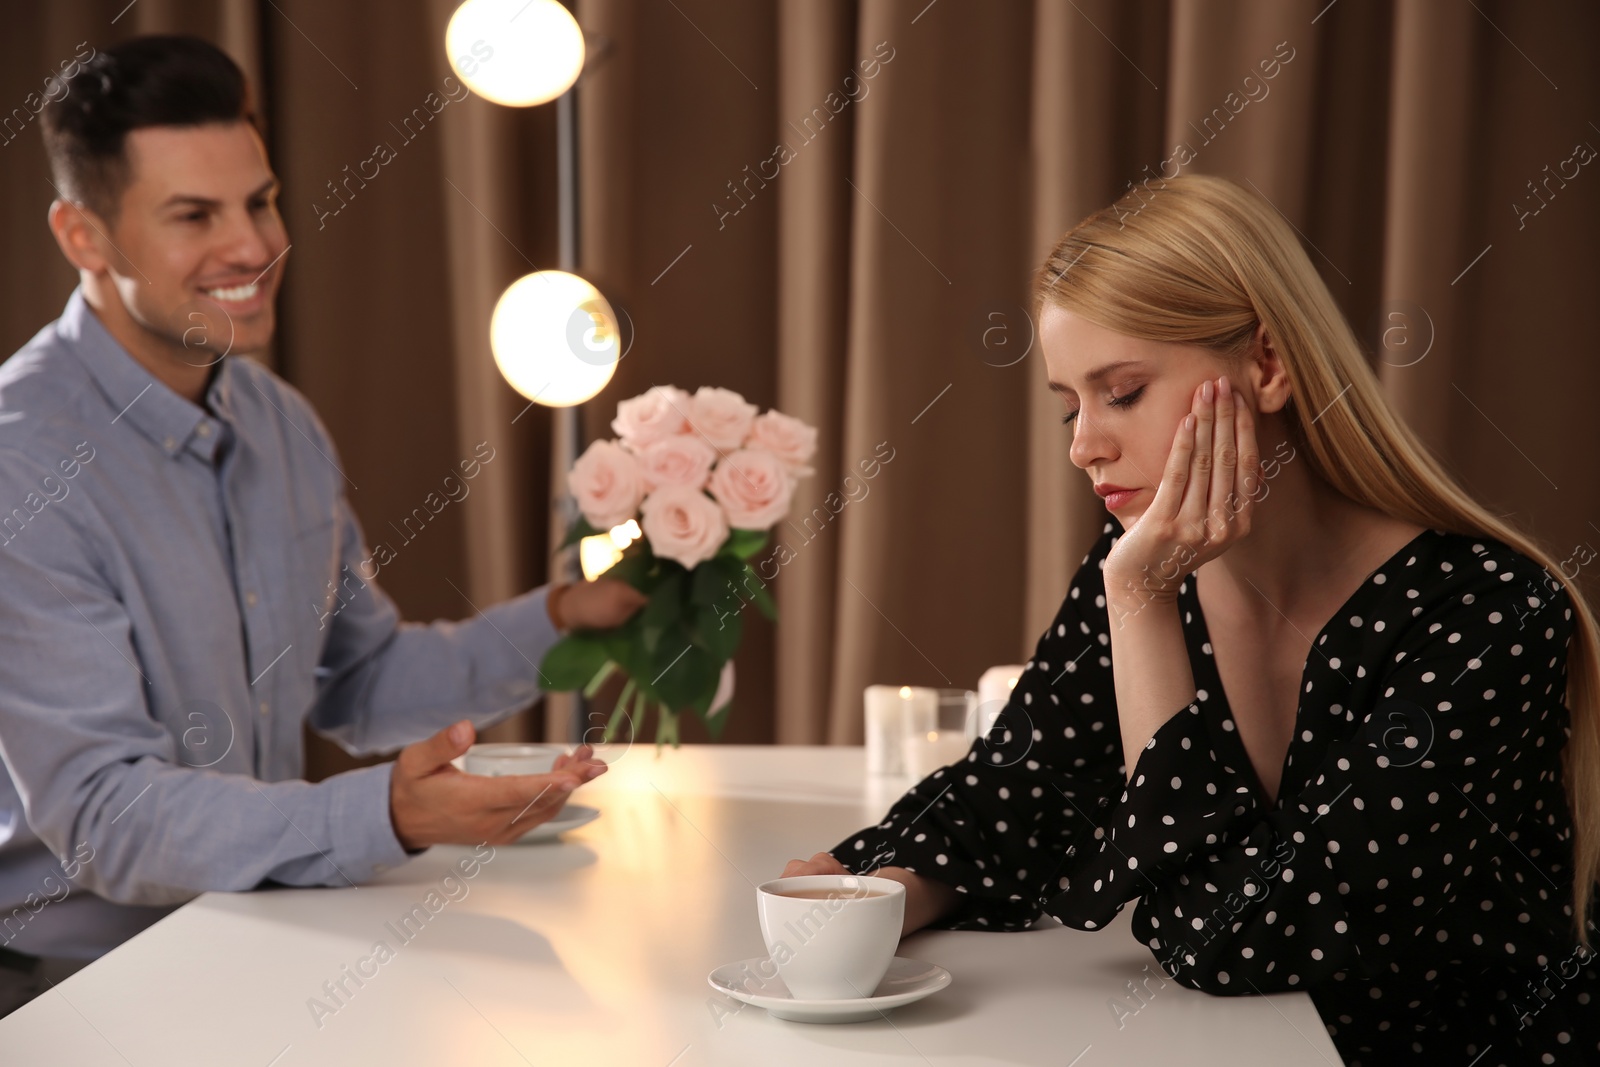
x=498 y=758
x=837 y=942
x=510 y=757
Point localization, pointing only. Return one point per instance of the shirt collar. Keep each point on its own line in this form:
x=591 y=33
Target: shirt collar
x=172 y=423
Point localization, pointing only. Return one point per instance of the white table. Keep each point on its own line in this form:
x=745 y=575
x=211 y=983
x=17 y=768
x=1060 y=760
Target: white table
x=594 y=950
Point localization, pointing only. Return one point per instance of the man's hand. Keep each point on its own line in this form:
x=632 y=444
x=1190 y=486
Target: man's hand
x=432 y=803
x=597 y=605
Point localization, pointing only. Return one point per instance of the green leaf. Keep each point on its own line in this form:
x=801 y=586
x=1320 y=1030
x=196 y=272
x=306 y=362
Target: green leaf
x=744 y=543
x=650 y=639
x=628 y=646
x=714 y=581
x=571 y=663
x=618 y=638
x=635 y=567
x=702 y=701
x=685 y=674
x=752 y=584
x=718 y=720
x=666 y=604
x=579 y=529
x=718 y=631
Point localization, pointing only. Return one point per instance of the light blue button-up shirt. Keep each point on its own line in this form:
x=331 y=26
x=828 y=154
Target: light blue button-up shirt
x=180 y=589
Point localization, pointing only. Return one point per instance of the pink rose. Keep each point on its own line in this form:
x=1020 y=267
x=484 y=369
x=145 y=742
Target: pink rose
x=652 y=416
x=754 y=488
x=721 y=416
x=682 y=459
x=608 y=484
x=683 y=524
x=785 y=437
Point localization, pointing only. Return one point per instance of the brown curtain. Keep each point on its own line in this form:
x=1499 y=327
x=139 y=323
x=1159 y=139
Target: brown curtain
x=883 y=270
x=855 y=248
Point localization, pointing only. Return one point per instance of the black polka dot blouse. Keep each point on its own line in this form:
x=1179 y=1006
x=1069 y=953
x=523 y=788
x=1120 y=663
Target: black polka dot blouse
x=1413 y=875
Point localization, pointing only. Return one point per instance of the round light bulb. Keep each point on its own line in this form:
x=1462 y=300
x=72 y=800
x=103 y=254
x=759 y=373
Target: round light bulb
x=555 y=338
x=515 y=52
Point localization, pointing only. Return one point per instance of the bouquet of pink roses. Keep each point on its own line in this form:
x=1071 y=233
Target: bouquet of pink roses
x=706 y=476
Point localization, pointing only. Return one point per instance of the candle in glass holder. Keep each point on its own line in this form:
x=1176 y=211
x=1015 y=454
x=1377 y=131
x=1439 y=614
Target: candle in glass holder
x=928 y=751
x=994 y=693
x=892 y=710
x=931 y=741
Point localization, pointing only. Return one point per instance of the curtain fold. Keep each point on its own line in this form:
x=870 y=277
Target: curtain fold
x=940 y=236
x=855 y=248
x=814 y=222
x=1084 y=154
x=1436 y=53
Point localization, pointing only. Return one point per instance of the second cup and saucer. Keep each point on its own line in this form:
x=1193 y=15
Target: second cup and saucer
x=831 y=940
x=495 y=759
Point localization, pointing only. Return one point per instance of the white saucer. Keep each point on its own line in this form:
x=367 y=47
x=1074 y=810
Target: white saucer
x=572 y=816
x=907 y=980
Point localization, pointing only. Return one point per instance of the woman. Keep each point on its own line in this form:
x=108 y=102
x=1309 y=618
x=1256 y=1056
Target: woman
x=1341 y=679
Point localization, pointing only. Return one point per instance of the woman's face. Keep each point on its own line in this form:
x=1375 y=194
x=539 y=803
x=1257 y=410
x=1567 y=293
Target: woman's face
x=1123 y=399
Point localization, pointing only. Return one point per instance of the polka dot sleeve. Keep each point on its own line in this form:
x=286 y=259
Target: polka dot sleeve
x=1429 y=817
x=996 y=824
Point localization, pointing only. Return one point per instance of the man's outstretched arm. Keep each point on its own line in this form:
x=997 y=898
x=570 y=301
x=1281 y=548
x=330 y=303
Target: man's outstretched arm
x=94 y=767
x=384 y=683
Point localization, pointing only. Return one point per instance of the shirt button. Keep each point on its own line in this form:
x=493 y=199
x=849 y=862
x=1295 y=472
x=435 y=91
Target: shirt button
x=263 y=707
x=251 y=599
x=169 y=444
x=204 y=430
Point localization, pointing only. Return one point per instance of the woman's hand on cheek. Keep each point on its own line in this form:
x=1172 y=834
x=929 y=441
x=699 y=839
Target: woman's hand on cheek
x=1202 y=506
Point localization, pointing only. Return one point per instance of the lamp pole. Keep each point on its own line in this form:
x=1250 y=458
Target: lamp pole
x=542 y=57
x=566 y=430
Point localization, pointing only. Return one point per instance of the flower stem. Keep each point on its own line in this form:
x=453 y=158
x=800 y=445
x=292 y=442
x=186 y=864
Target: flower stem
x=606 y=670
x=666 y=728
x=620 y=712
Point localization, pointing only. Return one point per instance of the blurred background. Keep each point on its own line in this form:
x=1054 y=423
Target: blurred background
x=855 y=250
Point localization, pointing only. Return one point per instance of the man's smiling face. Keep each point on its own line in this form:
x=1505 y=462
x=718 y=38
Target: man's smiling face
x=199 y=243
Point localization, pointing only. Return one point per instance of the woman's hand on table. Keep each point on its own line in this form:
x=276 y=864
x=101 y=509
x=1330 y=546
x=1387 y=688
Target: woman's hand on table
x=821 y=863
x=433 y=803
x=926 y=900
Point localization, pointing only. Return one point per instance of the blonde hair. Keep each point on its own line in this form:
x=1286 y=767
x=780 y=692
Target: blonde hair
x=1199 y=260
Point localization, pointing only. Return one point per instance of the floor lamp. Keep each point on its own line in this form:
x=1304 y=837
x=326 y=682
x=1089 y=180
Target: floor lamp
x=554 y=336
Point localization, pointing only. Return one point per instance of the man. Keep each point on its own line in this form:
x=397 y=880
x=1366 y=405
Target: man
x=182 y=581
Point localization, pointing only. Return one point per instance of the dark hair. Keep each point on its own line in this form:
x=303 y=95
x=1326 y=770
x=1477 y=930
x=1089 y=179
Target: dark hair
x=159 y=80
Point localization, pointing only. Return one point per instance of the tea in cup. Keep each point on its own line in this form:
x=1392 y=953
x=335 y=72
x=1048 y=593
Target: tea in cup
x=832 y=937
